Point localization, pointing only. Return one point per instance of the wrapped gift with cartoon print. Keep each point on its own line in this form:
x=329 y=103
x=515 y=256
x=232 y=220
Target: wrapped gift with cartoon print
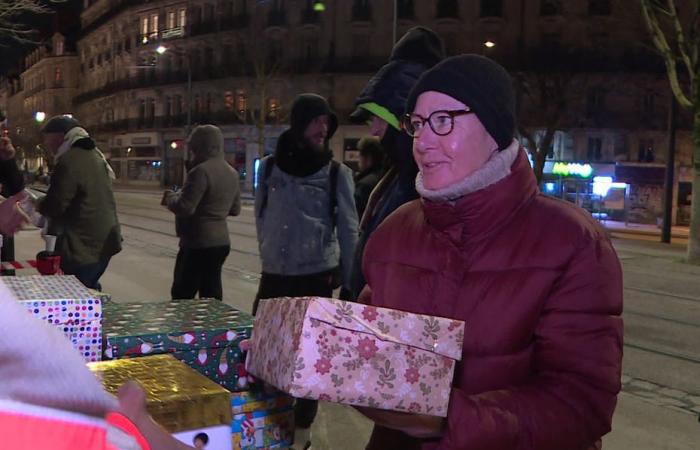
x=62 y=301
x=204 y=333
x=262 y=419
x=349 y=353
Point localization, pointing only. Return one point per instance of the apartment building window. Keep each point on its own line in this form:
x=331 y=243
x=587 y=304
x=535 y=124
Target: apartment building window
x=57 y=75
x=599 y=7
x=649 y=103
x=154 y=26
x=168 y=107
x=197 y=103
x=142 y=110
x=361 y=10
x=182 y=21
x=229 y=101
x=594 y=100
x=550 y=7
x=310 y=48
x=178 y=105
x=491 y=8
x=273 y=106
x=172 y=20
x=144 y=26
x=241 y=101
x=595 y=149
x=405 y=9
x=60 y=48
x=447 y=9
x=646 y=150
x=208 y=104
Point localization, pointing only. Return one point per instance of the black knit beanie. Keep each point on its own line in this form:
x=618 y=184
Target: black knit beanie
x=481 y=84
x=60 y=124
x=305 y=108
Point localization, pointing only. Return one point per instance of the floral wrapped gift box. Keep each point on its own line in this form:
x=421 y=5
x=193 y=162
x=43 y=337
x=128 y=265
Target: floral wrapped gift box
x=350 y=353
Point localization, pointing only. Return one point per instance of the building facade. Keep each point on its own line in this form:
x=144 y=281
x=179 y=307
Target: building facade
x=247 y=59
x=46 y=86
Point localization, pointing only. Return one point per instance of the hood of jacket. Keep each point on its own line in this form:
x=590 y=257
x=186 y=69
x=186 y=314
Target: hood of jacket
x=417 y=51
x=296 y=158
x=206 y=142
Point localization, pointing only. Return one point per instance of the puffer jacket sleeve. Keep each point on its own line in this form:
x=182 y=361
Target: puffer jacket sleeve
x=569 y=402
x=346 y=222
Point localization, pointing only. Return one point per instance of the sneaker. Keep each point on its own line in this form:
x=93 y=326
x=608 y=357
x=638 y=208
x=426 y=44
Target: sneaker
x=302 y=439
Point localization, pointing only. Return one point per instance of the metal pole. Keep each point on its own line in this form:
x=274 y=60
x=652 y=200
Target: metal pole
x=188 y=125
x=670 y=166
x=396 y=15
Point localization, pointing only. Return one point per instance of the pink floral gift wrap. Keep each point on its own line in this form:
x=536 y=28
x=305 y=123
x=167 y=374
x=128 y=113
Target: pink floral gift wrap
x=344 y=352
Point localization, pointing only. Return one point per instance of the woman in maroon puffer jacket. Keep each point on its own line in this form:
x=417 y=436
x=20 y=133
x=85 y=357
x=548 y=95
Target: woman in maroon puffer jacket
x=535 y=279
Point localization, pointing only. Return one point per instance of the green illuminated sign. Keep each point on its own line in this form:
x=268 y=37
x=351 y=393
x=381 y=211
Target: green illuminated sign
x=572 y=170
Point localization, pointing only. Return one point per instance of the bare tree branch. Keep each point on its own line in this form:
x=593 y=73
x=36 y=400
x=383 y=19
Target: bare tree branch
x=9 y=12
x=661 y=43
x=683 y=47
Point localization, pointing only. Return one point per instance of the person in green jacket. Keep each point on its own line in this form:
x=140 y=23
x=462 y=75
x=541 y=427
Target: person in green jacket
x=80 y=203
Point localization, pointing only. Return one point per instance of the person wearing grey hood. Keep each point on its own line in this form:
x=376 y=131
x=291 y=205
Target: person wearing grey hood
x=306 y=220
x=210 y=194
x=80 y=203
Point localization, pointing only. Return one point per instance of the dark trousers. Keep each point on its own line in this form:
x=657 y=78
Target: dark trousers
x=88 y=274
x=315 y=285
x=199 y=270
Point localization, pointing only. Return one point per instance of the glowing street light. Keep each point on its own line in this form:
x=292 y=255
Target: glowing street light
x=161 y=49
x=173 y=145
x=40 y=116
x=489 y=44
x=319 y=6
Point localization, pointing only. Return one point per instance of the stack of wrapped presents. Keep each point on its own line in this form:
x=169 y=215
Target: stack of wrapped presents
x=187 y=355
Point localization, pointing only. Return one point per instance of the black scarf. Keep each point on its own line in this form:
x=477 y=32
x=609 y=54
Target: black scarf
x=298 y=159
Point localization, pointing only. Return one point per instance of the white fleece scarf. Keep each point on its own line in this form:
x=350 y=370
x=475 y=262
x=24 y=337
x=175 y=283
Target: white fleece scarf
x=495 y=169
x=74 y=135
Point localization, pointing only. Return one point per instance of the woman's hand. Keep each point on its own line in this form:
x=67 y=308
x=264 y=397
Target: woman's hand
x=416 y=425
x=12 y=217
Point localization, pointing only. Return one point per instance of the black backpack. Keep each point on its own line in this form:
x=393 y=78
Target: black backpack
x=333 y=181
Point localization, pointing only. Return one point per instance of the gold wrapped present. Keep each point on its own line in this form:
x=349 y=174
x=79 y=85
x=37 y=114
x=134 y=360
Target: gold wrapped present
x=179 y=398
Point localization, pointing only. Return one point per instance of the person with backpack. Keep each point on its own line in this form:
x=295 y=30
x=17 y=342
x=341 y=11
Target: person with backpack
x=306 y=220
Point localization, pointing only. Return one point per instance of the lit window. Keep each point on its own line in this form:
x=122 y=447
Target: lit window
x=144 y=26
x=57 y=76
x=171 y=20
x=228 y=100
x=183 y=17
x=241 y=101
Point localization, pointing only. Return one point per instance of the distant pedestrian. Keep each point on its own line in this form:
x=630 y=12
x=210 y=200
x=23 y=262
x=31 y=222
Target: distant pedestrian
x=210 y=194
x=80 y=203
x=371 y=170
x=306 y=220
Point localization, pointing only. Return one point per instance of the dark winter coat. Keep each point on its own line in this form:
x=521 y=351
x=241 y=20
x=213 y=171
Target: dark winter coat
x=210 y=194
x=81 y=208
x=539 y=286
x=10 y=178
x=365 y=182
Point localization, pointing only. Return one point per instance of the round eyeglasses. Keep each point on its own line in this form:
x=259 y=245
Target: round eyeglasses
x=441 y=122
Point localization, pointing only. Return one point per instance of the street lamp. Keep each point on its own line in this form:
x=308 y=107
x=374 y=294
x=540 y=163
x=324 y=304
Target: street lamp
x=489 y=44
x=161 y=49
x=40 y=116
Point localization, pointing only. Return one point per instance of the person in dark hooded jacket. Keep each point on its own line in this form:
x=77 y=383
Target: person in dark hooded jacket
x=381 y=104
x=371 y=171
x=304 y=239
x=210 y=195
x=80 y=203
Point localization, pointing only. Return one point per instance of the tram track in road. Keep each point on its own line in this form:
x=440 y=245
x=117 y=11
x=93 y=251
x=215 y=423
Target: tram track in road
x=171 y=221
x=660 y=352
x=172 y=235
x=240 y=219
x=663 y=294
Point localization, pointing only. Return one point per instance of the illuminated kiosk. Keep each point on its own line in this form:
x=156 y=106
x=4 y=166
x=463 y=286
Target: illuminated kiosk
x=590 y=186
